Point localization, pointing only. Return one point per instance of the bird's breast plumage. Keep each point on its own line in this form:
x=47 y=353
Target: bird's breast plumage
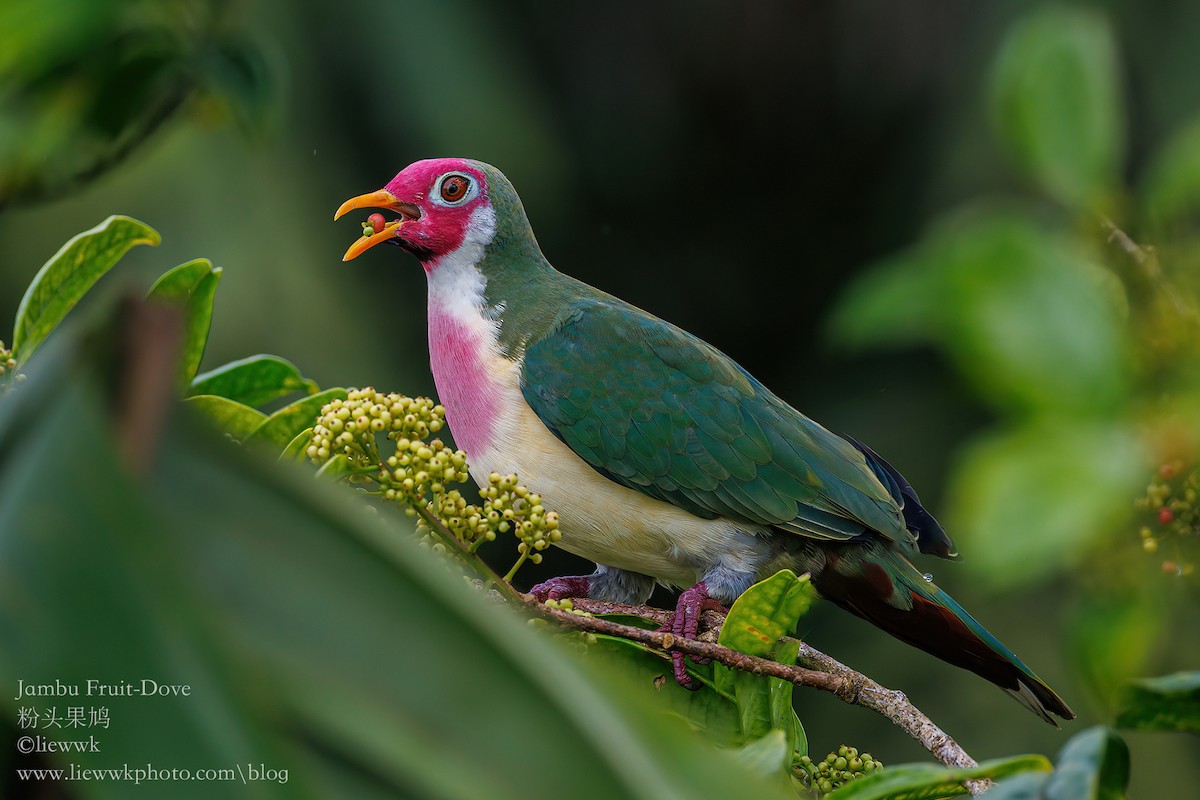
x=492 y=422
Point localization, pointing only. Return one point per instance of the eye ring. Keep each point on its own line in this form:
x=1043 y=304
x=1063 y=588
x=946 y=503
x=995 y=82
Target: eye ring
x=454 y=189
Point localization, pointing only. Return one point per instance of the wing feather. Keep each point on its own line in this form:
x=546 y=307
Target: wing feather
x=661 y=412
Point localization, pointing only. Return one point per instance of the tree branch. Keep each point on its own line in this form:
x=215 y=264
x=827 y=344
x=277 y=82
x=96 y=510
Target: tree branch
x=813 y=669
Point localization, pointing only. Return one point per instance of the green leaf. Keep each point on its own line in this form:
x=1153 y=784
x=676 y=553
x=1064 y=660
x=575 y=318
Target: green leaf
x=932 y=782
x=1093 y=765
x=254 y=381
x=192 y=286
x=1025 y=315
x=1113 y=633
x=766 y=612
x=1030 y=500
x=236 y=419
x=238 y=74
x=1166 y=703
x=894 y=304
x=758 y=620
x=297 y=449
x=98 y=572
x=283 y=426
x=68 y=275
x=648 y=672
x=1056 y=102
x=779 y=691
x=1028 y=786
x=1170 y=192
x=338 y=466
x=764 y=755
x=317 y=638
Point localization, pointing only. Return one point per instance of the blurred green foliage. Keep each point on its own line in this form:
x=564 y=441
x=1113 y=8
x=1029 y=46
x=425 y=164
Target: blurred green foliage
x=247 y=600
x=88 y=82
x=1058 y=104
x=1093 y=765
x=1167 y=703
x=1085 y=344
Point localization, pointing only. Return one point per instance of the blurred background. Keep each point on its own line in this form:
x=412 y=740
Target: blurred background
x=893 y=215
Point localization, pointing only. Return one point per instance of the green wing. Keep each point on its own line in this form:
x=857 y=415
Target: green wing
x=659 y=411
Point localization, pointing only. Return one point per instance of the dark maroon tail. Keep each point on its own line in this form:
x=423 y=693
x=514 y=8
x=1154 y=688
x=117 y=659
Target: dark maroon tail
x=884 y=588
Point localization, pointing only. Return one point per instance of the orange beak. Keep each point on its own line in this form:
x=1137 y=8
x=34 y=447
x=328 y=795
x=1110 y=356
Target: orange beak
x=380 y=199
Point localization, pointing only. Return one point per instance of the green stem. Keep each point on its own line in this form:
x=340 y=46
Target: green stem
x=516 y=566
x=476 y=563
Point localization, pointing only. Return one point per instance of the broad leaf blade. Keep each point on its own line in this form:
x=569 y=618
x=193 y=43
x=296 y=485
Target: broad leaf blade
x=99 y=573
x=1166 y=703
x=779 y=691
x=254 y=381
x=283 y=426
x=1170 y=193
x=337 y=467
x=236 y=419
x=68 y=275
x=766 y=753
x=1027 y=786
x=1026 y=315
x=765 y=612
x=1072 y=476
x=758 y=620
x=1057 y=102
x=1093 y=765
x=297 y=449
x=192 y=286
x=649 y=672
x=320 y=638
x=930 y=781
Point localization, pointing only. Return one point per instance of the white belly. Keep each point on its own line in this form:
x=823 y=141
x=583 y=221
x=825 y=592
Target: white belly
x=604 y=521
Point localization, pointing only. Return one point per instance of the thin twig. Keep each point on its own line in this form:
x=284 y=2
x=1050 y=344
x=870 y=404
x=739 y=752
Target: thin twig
x=467 y=556
x=813 y=669
x=1147 y=259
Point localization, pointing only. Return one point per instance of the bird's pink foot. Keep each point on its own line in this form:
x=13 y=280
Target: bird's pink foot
x=684 y=624
x=565 y=586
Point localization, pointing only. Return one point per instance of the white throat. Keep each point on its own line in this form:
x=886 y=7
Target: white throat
x=455 y=281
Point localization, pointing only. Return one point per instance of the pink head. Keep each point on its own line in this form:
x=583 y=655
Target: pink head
x=443 y=203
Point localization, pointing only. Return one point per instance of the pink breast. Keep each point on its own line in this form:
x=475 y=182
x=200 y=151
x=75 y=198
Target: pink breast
x=464 y=385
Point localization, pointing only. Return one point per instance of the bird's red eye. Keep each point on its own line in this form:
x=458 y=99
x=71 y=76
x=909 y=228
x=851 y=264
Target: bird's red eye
x=454 y=188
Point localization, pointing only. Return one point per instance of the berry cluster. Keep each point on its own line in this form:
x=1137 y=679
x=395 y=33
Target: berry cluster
x=7 y=361
x=579 y=641
x=510 y=506
x=837 y=769
x=417 y=475
x=1171 y=500
x=349 y=427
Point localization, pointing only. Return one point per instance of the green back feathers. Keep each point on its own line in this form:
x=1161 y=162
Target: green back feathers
x=660 y=411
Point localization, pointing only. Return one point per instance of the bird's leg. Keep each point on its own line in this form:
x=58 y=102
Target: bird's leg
x=564 y=586
x=606 y=583
x=684 y=624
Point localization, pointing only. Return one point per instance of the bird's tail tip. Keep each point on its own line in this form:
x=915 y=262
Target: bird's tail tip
x=1034 y=694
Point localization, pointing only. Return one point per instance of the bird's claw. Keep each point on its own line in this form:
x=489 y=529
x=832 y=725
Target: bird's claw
x=684 y=624
x=564 y=586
